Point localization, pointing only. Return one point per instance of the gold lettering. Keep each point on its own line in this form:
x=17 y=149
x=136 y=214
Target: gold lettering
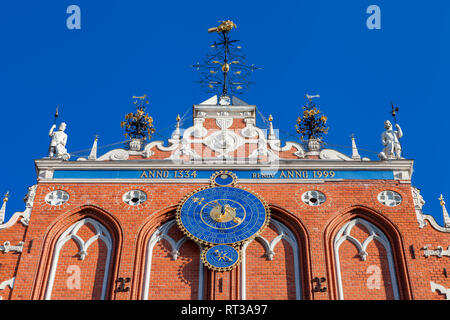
x=152 y=173
x=283 y=175
x=290 y=174
x=144 y=174
x=159 y=174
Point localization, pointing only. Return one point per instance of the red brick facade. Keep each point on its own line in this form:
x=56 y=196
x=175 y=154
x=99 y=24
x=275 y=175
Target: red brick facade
x=144 y=244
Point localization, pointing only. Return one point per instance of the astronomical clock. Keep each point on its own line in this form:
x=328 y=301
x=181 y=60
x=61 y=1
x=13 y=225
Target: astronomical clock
x=222 y=217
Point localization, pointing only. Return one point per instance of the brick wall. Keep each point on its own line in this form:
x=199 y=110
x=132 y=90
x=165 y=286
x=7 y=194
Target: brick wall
x=313 y=227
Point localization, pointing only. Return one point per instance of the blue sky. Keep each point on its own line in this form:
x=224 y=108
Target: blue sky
x=127 y=48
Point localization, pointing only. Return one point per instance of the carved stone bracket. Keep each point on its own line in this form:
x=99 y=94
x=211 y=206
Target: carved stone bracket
x=439 y=252
x=7 y=247
x=7 y=283
x=437 y=287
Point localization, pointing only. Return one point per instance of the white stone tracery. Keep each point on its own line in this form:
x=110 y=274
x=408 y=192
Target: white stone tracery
x=101 y=233
x=283 y=234
x=160 y=234
x=374 y=234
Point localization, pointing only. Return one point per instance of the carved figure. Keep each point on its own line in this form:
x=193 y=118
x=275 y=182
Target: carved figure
x=58 y=143
x=390 y=139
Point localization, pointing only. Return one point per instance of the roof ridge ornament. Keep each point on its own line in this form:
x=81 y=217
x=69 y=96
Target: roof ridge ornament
x=3 y=208
x=224 y=71
x=444 y=212
x=311 y=126
x=139 y=125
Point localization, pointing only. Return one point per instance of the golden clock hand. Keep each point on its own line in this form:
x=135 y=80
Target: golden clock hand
x=232 y=213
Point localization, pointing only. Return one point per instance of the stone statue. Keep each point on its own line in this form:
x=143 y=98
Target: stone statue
x=390 y=139
x=58 y=144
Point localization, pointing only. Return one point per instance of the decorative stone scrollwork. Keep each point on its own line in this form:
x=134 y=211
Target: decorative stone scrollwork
x=419 y=202
x=7 y=283
x=439 y=252
x=329 y=154
x=437 y=287
x=29 y=200
x=117 y=154
x=7 y=247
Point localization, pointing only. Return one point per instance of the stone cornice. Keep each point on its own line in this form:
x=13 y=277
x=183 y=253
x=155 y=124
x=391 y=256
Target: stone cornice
x=395 y=165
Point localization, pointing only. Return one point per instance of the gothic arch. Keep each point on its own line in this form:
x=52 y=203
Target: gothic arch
x=107 y=229
x=148 y=228
x=380 y=229
x=162 y=233
x=290 y=229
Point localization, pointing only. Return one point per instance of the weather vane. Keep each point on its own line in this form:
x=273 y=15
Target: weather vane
x=394 y=112
x=224 y=70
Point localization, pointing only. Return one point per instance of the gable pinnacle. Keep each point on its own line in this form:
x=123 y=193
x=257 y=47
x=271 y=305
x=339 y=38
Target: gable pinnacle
x=444 y=212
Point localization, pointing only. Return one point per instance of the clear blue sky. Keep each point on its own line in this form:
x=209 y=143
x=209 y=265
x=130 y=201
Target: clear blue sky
x=127 y=48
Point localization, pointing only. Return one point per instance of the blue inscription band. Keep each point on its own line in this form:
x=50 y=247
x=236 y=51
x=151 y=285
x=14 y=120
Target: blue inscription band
x=180 y=175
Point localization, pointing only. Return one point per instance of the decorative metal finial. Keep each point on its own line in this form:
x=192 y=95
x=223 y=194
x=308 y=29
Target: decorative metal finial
x=311 y=97
x=5 y=199
x=178 y=118
x=394 y=111
x=138 y=125
x=56 y=114
x=441 y=199
x=224 y=71
x=270 y=118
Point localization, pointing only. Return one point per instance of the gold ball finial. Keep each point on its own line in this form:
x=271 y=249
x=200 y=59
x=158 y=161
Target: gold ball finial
x=5 y=199
x=441 y=199
x=178 y=118
x=270 y=118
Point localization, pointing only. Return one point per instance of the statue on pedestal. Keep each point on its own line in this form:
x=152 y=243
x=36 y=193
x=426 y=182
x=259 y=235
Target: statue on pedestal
x=58 y=143
x=390 y=139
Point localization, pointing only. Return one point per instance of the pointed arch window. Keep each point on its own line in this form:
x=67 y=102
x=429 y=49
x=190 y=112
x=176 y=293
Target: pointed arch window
x=374 y=234
x=269 y=247
x=101 y=234
x=160 y=234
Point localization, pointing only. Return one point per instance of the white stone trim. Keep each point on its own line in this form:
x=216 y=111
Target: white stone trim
x=7 y=283
x=284 y=164
x=437 y=287
x=71 y=233
x=375 y=234
x=26 y=214
x=283 y=233
x=434 y=224
x=7 y=247
x=158 y=235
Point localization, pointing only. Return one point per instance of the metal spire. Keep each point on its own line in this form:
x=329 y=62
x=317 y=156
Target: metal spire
x=444 y=212
x=3 y=208
x=224 y=71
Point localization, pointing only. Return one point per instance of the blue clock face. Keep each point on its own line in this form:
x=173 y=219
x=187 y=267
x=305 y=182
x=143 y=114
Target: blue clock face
x=221 y=257
x=222 y=215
